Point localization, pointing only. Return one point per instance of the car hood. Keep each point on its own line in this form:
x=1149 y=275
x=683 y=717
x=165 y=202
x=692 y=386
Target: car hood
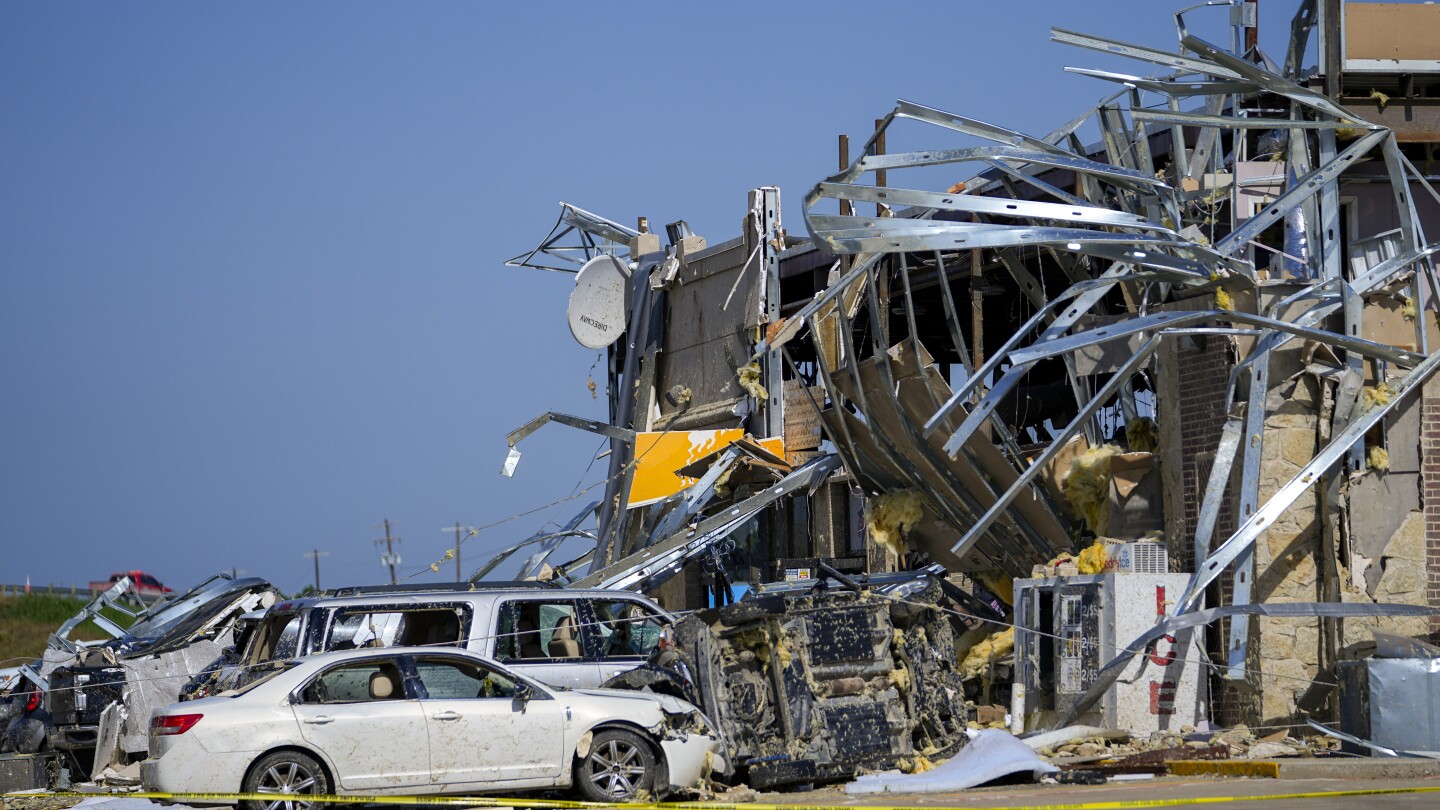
x=666 y=703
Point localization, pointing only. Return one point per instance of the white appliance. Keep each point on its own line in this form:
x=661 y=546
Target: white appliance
x=1067 y=628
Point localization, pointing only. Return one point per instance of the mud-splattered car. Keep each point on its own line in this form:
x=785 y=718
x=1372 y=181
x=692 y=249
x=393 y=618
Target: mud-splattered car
x=422 y=720
x=810 y=682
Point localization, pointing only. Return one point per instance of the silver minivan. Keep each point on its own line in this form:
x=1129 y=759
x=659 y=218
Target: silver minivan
x=574 y=638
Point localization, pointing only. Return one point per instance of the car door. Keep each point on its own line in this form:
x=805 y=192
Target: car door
x=544 y=639
x=626 y=632
x=481 y=727
x=362 y=717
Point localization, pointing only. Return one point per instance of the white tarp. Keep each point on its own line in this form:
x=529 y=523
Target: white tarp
x=992 y=754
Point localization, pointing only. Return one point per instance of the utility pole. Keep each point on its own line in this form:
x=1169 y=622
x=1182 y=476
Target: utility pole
x=459 y=538
x=315 y=555
x=457 y=551
x=389 y=558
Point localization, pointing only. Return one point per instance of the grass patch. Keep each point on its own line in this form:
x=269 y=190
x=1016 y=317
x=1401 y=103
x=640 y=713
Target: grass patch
x=27 y=621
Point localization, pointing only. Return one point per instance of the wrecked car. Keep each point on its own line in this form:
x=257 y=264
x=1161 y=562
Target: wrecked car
x=565 y=637
x=100 y=696
x=809 y=682
x=419 y=720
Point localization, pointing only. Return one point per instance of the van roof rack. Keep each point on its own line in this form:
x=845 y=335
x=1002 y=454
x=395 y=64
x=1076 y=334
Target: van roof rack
x=456 y=587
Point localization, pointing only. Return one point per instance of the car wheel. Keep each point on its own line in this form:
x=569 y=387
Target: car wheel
x=618 y=766
x=287 y=774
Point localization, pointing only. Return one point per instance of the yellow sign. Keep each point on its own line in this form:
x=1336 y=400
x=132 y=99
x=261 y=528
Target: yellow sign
x=659 y=455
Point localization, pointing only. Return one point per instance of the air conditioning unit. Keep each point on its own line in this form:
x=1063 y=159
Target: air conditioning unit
x=1067 y=628
x=1136 y=558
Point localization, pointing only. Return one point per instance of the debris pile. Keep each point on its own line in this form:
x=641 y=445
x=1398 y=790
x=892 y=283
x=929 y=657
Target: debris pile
x=1187 y=743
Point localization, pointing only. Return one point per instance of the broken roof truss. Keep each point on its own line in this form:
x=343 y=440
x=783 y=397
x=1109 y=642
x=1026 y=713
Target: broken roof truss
x=577 y=237
x=1137 y=221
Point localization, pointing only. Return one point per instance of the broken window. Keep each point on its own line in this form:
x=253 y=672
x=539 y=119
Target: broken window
x=627 y=629
x=533 y=630
x=355 y=683
x=367 y=627
x=277 y=638
x=449 y=679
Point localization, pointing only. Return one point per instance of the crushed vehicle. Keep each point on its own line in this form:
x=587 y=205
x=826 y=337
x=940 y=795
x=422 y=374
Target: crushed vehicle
x=100 y=695
x=565 y=637
x=811 y=682
x=422 y=720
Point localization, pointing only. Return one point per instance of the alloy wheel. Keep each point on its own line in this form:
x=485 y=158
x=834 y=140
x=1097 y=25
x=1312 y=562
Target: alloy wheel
x=617 y=768
x=288 y=778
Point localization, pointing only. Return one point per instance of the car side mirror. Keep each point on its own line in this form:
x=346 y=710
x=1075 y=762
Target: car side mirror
x=523 y=693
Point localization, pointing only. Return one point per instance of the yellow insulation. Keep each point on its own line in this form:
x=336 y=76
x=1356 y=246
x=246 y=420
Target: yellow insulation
x=1092 y=560
x=782 y=652
x=1380 y=99
x=1087 y=486
x=891 y=516
x=749 y=376
x=1373 y=395
x=1002 y=585
x=920 y=764
x=722 y=484
x=977 y=661
x=1407 y=308
x=1142 y=435
x=1379 y=458
x=1222 y=299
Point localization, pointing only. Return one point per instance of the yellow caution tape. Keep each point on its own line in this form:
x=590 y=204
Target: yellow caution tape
x=487 y=801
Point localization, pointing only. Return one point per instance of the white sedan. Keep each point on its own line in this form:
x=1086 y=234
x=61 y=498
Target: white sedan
x=417 y=720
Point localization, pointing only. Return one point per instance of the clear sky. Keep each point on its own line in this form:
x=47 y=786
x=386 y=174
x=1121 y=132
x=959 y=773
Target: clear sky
x=252 y=299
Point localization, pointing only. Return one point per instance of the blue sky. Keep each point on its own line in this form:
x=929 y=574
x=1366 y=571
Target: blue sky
x=252 y=299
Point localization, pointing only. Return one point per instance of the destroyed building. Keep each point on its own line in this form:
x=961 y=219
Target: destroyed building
x=1205 y=338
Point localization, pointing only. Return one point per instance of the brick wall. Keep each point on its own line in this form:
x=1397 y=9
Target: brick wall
x=1203 y=375
x=1430 y=493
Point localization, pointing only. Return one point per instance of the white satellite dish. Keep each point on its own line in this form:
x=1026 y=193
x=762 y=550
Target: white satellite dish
x=597 y=306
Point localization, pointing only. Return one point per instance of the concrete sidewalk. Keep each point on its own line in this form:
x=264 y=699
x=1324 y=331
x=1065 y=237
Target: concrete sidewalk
x=1240 y=794
x=1296 y=779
